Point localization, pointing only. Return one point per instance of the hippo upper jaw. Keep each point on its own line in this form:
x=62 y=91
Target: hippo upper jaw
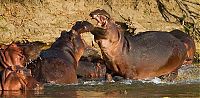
x=101 y=16
x=101 y=20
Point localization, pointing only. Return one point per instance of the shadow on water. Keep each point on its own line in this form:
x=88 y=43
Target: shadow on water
x=102 y=89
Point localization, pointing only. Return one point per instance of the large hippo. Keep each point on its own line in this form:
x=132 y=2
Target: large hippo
x=145 y=55
x=58 y=64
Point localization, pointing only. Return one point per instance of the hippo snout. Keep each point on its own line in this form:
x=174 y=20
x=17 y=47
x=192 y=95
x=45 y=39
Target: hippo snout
x=83 y=26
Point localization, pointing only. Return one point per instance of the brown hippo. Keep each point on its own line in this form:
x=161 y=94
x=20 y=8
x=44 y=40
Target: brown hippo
x=11 y=56
x=14 y=76
x=145 y=55
x=58 y=64
x=189 y=44
x=20 y=79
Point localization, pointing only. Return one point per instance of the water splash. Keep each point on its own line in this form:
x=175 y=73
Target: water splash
x=93 y=82
x=154 y=80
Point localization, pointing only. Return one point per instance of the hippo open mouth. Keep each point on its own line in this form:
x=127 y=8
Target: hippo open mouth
x=101 y=16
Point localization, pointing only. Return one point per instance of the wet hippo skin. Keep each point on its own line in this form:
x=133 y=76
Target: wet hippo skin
x=146 y=55
x=94 y=69
x=189 y=45
x=11 y=56
x=19 y=79
x=58 y=64
x=13 y=74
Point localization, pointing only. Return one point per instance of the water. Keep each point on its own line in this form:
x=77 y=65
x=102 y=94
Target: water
x=187 y=84
x=120 y=89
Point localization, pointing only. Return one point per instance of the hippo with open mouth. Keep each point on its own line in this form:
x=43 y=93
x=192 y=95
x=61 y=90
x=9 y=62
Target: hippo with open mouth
x=145 y=55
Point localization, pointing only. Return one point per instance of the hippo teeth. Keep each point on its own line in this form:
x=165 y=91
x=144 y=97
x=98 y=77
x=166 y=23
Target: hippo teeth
x=98 y=24
x=97 y=19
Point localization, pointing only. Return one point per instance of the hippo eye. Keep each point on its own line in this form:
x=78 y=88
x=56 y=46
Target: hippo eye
x=95 y=16
x=85 y=27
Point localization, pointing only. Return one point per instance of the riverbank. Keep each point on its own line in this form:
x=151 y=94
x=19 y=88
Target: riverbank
x=43 y=20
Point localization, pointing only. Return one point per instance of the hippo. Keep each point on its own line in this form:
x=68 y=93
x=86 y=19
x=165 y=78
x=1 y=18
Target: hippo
x=58 y=64
x=143 y=56
x=14 y=75
x=20 y=79
x=189 y=45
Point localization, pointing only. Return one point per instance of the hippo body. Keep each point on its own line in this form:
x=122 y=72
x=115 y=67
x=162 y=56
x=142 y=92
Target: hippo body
x=20 y=79
x=146 y=55
x=58 y=64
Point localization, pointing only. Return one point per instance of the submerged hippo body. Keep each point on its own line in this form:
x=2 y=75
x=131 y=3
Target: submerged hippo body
x=20 y=79
x=58 y=64
x=91 y=69
x=146 y=55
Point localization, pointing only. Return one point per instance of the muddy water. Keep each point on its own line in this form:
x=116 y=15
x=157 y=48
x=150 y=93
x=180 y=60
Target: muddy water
x=124 y=88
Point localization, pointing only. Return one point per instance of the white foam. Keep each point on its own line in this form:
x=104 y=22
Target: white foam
x=93 y=82
x=127 y=81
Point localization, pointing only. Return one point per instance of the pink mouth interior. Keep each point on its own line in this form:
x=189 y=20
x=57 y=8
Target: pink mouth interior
x=97 y=18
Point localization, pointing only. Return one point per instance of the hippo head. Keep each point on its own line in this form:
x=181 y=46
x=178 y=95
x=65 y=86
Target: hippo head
x=82 y=26
x=101 y=16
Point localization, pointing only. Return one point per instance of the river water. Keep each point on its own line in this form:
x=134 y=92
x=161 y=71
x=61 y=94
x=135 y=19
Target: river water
x=120 y=89
x=187 y=84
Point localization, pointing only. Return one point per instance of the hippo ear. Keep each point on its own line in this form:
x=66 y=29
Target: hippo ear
x=63 y=33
